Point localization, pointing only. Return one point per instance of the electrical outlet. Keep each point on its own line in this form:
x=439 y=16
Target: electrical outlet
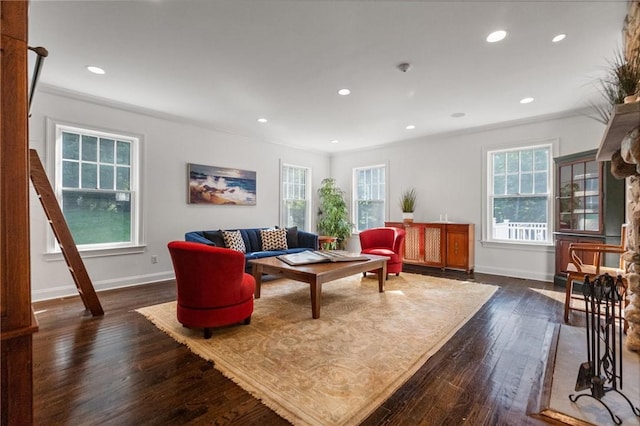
x=154 y=258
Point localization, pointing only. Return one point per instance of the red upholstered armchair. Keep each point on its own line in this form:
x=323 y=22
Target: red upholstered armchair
x=212 y=288
x=385 y=241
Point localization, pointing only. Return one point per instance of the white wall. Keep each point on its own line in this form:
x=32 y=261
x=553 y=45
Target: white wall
x=447 y=174
x=168 y=146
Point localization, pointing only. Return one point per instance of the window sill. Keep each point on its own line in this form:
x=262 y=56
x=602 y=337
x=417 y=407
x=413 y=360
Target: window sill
x=85 y=254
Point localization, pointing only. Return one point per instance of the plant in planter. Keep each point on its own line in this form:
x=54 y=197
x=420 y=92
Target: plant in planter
x=333 y=216
x=408 y=204
x=620 y=84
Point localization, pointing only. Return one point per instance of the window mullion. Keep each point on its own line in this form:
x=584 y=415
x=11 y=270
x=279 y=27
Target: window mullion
x=295 y=208
x=369 y=197
x=516 y=211
x=97 y=216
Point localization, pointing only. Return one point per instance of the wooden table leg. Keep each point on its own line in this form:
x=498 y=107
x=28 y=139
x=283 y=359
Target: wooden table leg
x=316 y=298
x=382 y=276
x=257 y=275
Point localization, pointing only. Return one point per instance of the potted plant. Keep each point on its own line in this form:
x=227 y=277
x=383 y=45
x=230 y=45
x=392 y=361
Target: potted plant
x=408 y=204
x=620 y=84
x=333 y=216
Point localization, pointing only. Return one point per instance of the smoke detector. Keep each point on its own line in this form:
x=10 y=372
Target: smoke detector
x=404 y=67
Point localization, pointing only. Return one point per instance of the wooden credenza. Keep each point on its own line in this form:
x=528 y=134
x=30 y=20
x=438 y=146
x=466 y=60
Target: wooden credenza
x=439 y=245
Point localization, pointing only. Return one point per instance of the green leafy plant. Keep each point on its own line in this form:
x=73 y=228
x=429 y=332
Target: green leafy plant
x=333 y=216
x=408 y=200
x=622 y=79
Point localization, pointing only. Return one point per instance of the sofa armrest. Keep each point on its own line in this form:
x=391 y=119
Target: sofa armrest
x=197 y=237
x=307 y=239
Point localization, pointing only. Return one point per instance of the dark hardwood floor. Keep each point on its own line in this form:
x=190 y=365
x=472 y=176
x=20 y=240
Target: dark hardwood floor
x=121 y=370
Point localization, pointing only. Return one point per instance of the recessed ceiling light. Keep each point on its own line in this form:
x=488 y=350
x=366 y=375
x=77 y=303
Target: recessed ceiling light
x=344 y=92
x=410 y=127
x=335 y=141
x=262 y=120
x=496 y=36
x=95 y=70
x=458 y=114
x=526 y=100
x=558 y=38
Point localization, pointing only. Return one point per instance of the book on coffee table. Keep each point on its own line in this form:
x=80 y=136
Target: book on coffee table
x=309 y=256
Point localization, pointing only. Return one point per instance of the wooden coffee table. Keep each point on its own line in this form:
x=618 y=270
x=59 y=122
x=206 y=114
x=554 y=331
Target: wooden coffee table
x=318 y=273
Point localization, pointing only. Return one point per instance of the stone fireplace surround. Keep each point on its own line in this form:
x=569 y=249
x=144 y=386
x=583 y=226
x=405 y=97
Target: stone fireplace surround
x=621 y=144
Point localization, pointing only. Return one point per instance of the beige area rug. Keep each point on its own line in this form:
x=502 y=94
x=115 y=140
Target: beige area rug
x=337 y=369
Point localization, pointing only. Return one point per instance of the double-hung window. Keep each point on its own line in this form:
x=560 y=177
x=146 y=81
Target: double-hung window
x=96 y=183
x=369 y=196
x=295 y=208
x=519 y=196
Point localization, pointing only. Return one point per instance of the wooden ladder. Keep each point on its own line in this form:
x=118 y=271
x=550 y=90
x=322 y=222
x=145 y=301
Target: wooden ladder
x=63 y=235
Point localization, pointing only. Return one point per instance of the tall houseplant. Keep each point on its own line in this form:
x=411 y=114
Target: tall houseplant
x=408 y=204
x=333 y=216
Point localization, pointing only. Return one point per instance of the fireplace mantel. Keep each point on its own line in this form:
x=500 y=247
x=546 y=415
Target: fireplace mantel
x=624 y=118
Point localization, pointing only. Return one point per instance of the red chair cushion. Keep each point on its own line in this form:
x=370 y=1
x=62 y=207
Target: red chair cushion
x=212 y=287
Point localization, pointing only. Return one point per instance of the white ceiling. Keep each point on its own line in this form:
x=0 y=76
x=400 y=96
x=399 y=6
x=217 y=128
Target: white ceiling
x=224 y=63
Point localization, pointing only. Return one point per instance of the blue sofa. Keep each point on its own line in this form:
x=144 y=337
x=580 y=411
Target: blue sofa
x=297 y=241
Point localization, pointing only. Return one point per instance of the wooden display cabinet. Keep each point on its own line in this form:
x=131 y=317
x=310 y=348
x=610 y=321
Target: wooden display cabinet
x=439 y=245
x=589 y=206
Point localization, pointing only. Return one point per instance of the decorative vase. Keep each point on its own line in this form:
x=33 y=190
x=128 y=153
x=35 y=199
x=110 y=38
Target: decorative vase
x=407 y=217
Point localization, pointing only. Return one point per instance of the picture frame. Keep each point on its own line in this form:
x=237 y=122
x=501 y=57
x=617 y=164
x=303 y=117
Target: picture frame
x=220 y=185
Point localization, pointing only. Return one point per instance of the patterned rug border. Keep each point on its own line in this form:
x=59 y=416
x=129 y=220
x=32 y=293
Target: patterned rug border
x=280 y=405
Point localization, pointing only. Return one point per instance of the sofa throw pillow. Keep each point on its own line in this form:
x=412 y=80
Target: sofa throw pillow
x=292 y=236
x=273 y=239
x=234 y=241
x=215 y=237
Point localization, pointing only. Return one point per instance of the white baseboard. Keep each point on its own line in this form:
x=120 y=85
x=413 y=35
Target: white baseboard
x=71 y=290
x=516 y=273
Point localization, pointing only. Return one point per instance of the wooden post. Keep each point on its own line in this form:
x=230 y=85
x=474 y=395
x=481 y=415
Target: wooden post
x=17 y=318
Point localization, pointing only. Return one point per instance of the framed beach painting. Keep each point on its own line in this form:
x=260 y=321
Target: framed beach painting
x=221 y=185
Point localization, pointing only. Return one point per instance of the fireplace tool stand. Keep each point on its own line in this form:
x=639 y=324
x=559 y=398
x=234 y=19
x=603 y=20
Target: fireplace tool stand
x=602 y=373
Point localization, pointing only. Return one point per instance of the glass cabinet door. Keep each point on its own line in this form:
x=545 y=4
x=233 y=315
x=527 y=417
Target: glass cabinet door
x=564 y=199
x=579 y=196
